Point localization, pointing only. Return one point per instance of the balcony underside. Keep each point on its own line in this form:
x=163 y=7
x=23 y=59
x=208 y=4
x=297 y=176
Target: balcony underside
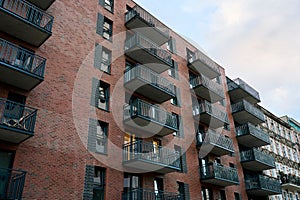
x=244 y=116
x=199 y=67
x=147 y=58
x=255 y=165
x=290 y=186
x=149 y=91
x=251 y=141
x=210 y=120
x=219 y=182
x=261 y=192
x=144 y=127
x=22 y=29
x=13 y=134
x=142 y=165
x=18 y=77
x=209 y=95
x=44 y=4
x=238 y=94
x=213 y=149
x=141 y=26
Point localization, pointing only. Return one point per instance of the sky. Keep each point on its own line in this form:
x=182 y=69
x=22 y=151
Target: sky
x=258 y=41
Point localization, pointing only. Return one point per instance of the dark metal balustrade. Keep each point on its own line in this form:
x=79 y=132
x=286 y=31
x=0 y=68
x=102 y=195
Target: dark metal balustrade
x=149 y=194
x=43 y=4
x=11 y=184
x=20 y=67
x=258 y=185
x=244 y=112
x=289 y=181
x=238 y=90
x=146 y=118
x=146 y=82
x=147 y=157
x=202 y=64
x=207 y=89
x=210 y=115
x=220 y=175
x=143 y=22
x=144 y=51
x=255 y=160
x=251 y=136
x=25 y=21
x=16 y=121
x=215 y=143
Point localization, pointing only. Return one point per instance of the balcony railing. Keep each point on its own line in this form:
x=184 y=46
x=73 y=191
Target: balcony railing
x=141 y=110
x=45 y=4
x=224 y=175
x=248 y=130
x=289 y=181
x=150 y=194
x=216 y=143
x=248 y=108
x=155 y=54
x=240 y=84
x=254 y=155
x=16 y=121
x=11 y=183
x=262 y=185
x=159 y=156
x=161 y=89
x=205 y=66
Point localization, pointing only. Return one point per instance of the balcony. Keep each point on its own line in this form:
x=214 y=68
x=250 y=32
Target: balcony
x=151 y=85
x=149 y=119
x=219 y=175
x=255 y=160
x=144 y=51
x=147 y=157
x=210 y=115
x=215 y=143
x=289 y=182
x=20 y=67
x=45 y=4
x=243 y=112
x=148 y=194
x=144 y=23
x=238 y=90
x=11 y=183
x=250 y=136
x=202 y=64
x=259 y=185
x=16 y=121
x=24 y=21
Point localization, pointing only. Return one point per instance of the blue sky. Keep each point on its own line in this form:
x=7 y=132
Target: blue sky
x=255 y=40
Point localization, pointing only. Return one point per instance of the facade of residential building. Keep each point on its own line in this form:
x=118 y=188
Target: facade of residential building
x=284 y=147
x=101 y=100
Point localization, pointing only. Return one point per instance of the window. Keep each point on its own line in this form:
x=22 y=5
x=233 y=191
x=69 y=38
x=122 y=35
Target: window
x=222 y=194
x=99 y=184
x=237 y=196
x=171 y=45
x=97 y=137
x=102 y=58
x=103 y=101
x=184 y=190
x=104 y=27
x=182 y=159
x=131 y=182
x=206 y=194
x=107 y=4
x=173 y=71
x=177 y=99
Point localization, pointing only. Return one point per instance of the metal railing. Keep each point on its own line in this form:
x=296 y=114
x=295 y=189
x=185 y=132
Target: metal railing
x=143 y=42
x=212 y=137
x=29 y=13
x=149 y=76
x=254 y=154
x=153 y=113
x=149 y=194
x=289 y=179
x=262 y=182
x=214 y=170
x=11 y=183
x=211 y=85
x=137 y=11
x=21 y=58
x=151 y=152
x=206 y=107
x=249 y=128
x=17 y=116
x=198 y=55
x=239 y=83
x=245 y=105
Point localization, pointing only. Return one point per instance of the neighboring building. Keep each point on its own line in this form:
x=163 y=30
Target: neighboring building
x=124 y=108
x=284 y=147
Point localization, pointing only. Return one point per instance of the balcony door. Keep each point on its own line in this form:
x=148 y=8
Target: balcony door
x=159 y=188
x=14 y=108
x=132 y=187
x=5 y=164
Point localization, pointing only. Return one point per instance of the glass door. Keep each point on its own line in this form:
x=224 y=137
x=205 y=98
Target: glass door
x=5 y=164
